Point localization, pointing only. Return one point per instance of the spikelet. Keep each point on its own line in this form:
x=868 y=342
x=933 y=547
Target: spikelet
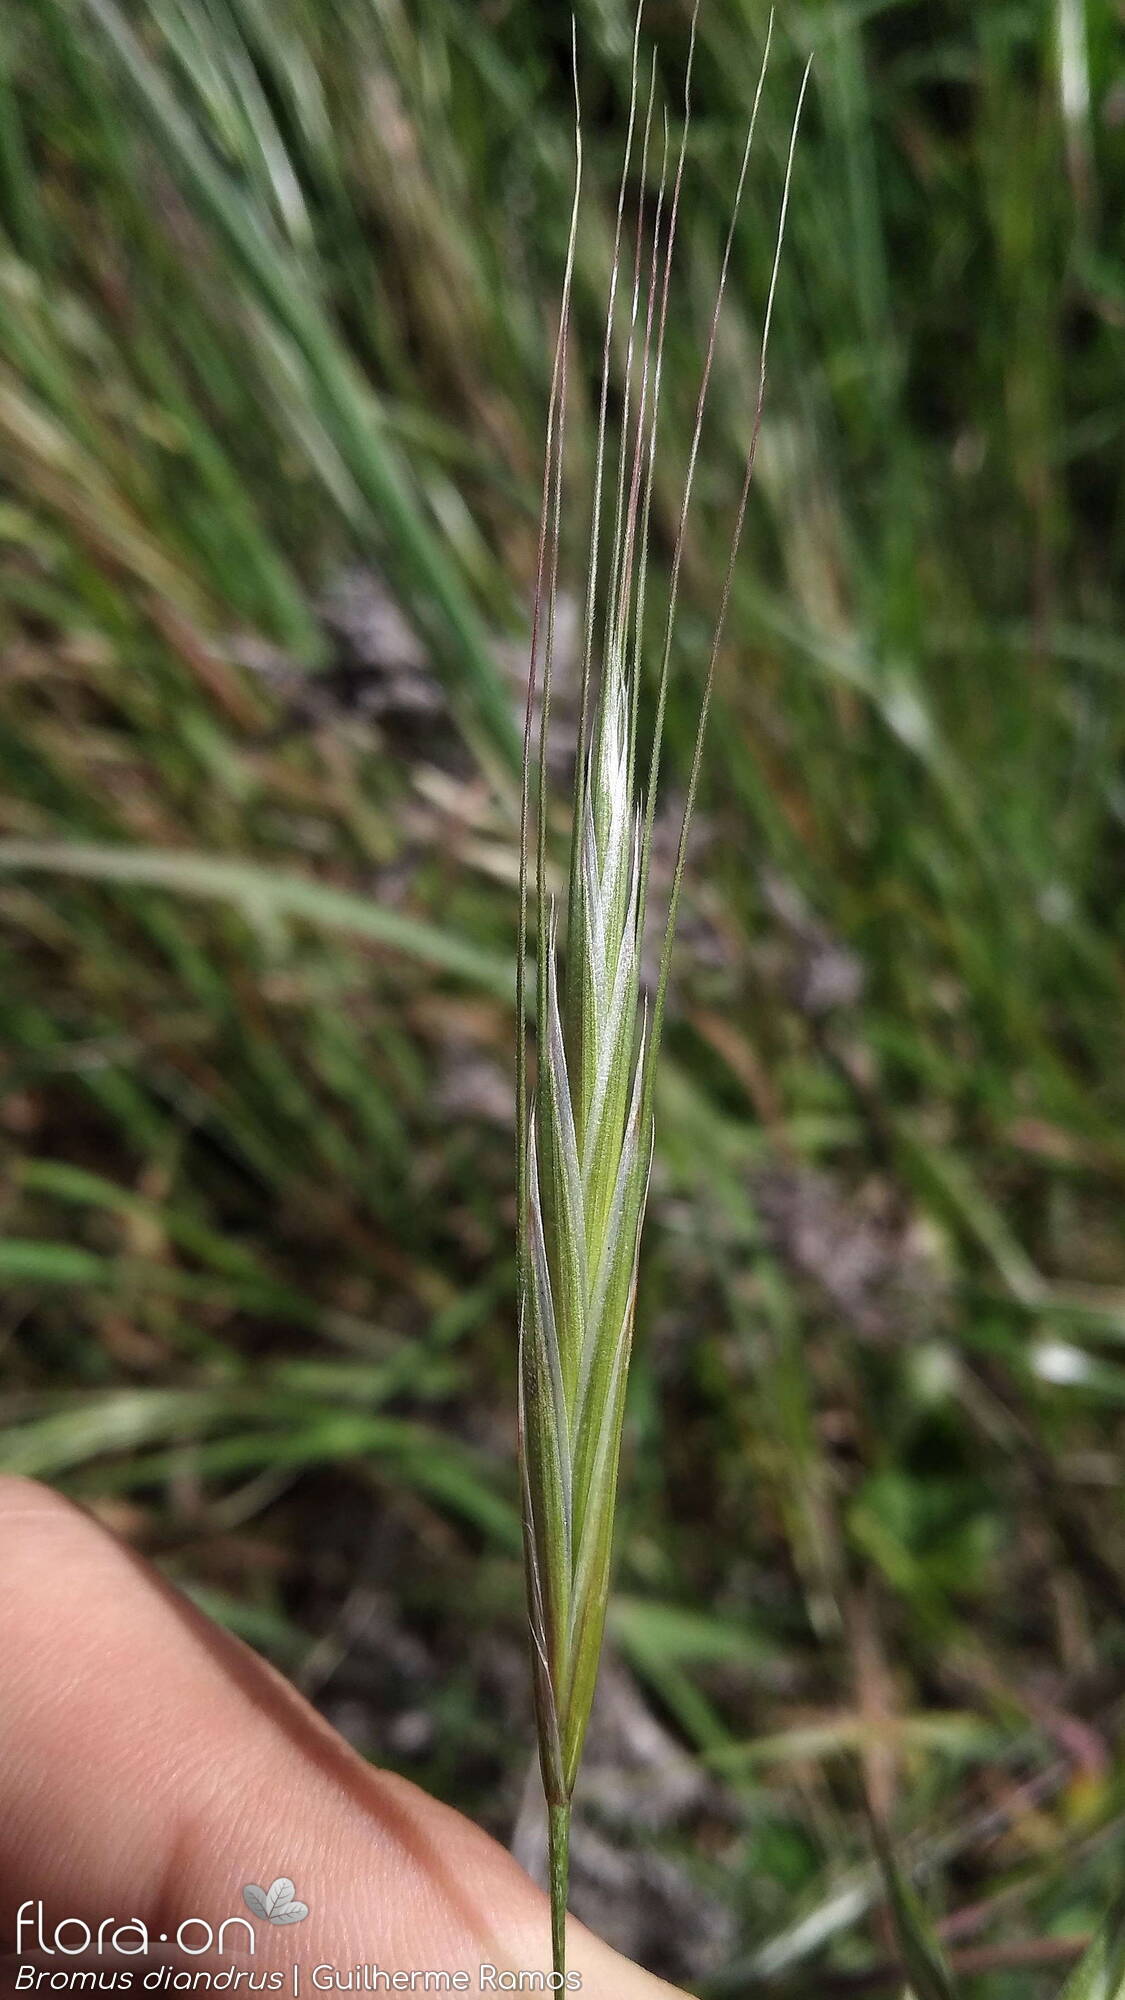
x=586 y=1125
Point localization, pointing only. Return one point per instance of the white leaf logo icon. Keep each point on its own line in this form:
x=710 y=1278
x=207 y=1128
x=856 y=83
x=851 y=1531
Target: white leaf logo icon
x=277 y=1904
x=292 y=1913
x=278 y=1897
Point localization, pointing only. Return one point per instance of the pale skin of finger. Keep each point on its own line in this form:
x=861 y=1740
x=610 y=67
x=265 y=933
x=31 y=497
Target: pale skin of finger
x=151 y=1766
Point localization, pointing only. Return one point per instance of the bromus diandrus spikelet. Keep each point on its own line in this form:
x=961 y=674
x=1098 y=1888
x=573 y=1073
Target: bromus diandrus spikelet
x=586 y=1123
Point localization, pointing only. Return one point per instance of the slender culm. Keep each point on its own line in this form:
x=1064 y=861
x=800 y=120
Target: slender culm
x=586 y=1121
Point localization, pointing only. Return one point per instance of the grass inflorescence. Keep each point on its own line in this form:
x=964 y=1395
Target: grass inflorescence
x=585 y=1131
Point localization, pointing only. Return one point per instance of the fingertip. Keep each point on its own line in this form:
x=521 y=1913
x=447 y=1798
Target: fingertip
x=150 y=1761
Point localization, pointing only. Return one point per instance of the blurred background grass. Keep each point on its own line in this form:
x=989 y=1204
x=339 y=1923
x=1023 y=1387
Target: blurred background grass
x=277 y=294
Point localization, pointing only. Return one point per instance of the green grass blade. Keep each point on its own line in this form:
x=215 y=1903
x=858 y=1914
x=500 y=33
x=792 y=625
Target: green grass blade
x=1100 y=1974
x=922 y=1956
x=265 y=898
x=427 y=579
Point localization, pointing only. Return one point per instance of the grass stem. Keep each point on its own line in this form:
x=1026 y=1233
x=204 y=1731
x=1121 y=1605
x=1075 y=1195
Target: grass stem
x=558 y=1849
